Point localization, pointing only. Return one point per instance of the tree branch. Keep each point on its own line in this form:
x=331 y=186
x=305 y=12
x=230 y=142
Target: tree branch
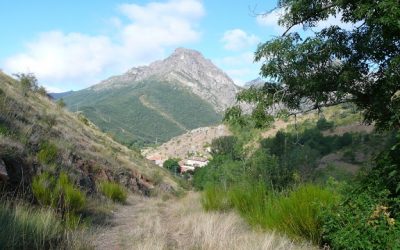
x=308 y=17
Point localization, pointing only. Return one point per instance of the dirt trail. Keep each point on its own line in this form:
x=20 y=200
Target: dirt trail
x=147 y=103
x=151 y=223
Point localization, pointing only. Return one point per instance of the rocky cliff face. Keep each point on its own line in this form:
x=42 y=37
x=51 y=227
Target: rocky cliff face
x=188 y=68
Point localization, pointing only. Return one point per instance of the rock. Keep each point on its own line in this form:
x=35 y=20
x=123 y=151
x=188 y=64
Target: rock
x=3 y=171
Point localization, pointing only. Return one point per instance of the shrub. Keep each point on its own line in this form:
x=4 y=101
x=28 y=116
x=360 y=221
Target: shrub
x=48 y=153
x=363 y=221
x=70 y=198
x=58 y=193
x=4 y=129
x=113 y=191
x=172 y=165
x=28 y=82
x=42 y=186
x=323 y=124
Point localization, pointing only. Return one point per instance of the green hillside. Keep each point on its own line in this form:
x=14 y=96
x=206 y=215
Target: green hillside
x=144 y=112
x=59 y=173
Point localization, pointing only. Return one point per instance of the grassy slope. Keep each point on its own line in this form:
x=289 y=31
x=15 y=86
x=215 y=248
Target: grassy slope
x=122 y=113
x=29 y=121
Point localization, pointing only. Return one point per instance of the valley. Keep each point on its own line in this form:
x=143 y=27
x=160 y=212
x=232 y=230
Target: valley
x=116 y=134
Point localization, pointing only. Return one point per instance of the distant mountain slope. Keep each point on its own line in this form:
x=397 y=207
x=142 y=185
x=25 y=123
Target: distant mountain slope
x=160 y=101
x=36 y=135
x=60 y=95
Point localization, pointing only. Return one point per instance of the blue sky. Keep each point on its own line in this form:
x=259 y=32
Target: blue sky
x=74 y=44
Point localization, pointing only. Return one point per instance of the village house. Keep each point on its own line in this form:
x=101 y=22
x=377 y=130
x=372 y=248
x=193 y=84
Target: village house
x=192 y=163
x=156 y=159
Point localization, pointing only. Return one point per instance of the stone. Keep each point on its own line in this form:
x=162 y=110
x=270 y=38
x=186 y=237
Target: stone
x=3 y=171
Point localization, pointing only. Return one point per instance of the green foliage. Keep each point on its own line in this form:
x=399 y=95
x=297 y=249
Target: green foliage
x=233 y=115
x=296 y=214
x=4 y=130
x=113 y=191
x=323 y=124
x=28 y=82
x=369 y=214
x=215 y=199
x=365 y=220
x=70 y=198
x=329 y=66
x=172 y=165
x=224 y=145
x=48 y=153
x=144 y=112
x=42 y=189
x=58 y=193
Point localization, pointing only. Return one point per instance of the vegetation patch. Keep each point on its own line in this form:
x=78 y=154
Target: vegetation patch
x=60 y=194
x=48 y=153
x=113 y=191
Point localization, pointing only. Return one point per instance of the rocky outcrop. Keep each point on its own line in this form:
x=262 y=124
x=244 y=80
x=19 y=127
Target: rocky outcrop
x=187 y=68
x=3 y=171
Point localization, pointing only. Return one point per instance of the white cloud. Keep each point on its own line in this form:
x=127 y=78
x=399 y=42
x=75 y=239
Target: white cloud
x=271 y=19
x=237 y=40
x=241 y=67
x=241 y=59
x=143 y=33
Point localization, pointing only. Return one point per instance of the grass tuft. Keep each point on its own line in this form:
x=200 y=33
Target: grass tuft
x=113 y=191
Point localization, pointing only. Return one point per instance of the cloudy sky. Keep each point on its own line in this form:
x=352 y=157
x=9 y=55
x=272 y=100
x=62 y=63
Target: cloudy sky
x=73 y=44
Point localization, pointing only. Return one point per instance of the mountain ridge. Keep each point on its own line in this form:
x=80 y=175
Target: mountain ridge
x=183 y=65
x=182 y=92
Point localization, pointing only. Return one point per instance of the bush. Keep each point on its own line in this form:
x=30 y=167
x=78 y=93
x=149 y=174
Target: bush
x=323 y=124
x=363 y=221
x=58 y=193
x=113 y=191
x=172 y=165
x=48 y=153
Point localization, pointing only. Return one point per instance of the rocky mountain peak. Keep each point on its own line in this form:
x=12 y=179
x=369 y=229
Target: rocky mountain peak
x=187 y=68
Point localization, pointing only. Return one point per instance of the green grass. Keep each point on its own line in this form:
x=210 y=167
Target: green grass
x=25 y=227
x=296 y=213
x=214 y=198
x=48 y=153
x=113 y=191
x=58 y=193
x=22 y=227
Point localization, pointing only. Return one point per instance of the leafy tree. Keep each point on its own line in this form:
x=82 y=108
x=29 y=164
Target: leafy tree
x=334 y=65
x=224 y=145
x=172 y=165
